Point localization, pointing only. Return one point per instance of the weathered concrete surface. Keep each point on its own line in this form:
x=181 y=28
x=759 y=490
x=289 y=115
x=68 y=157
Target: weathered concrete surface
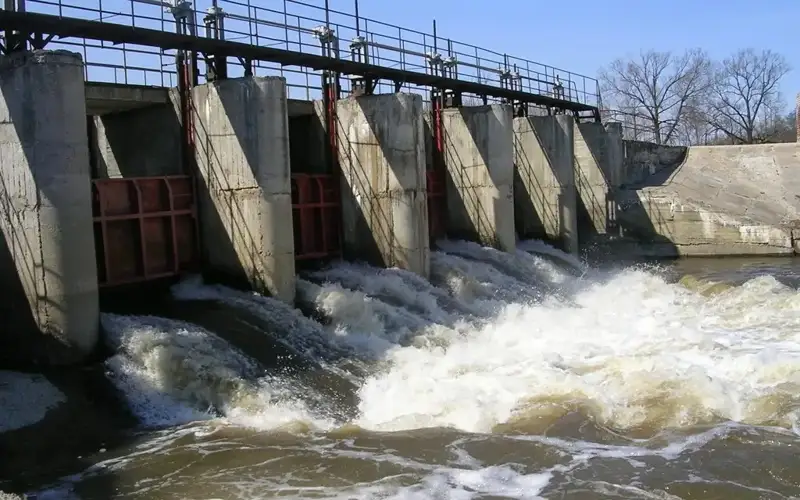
x=479 y=157
x=544 y=180
x=598 y=165
x=139 y=142
x=720 y=200
x=242 y=155
x=47 y=250
x=645 y=159
x=384 y=198
x=103 y=98
x=797 y=116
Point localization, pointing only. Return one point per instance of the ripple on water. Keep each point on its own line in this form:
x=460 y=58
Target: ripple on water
x=532 y=379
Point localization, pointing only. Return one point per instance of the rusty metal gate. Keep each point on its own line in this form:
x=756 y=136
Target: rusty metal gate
x=145 y=228
x=437 y=208
x=316 y=214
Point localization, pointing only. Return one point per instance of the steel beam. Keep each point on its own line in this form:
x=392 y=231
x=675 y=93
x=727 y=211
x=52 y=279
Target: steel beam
x=80 y=28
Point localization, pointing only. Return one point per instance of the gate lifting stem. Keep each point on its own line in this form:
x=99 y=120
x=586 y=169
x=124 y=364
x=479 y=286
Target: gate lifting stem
x=145 y=228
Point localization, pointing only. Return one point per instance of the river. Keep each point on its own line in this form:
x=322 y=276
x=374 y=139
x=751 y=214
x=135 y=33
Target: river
x=527 y=375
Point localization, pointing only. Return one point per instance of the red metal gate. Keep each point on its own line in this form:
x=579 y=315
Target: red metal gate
x=145 y=228
x=316 y=214
x=436 y=174
x=437 y=208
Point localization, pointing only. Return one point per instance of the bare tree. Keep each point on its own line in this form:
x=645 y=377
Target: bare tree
x=694 y=128
x=745 y=96
x=659 y=86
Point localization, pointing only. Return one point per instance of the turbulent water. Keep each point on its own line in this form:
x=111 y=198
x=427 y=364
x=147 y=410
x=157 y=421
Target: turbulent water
x=525 y=375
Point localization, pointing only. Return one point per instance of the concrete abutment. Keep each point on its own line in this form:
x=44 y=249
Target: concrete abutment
x=49 y=311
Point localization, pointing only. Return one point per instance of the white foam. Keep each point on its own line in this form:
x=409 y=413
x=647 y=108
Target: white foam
x=631 y=349
x=174 y=372
x=458 y=484
x=636 y=350
x=25 y=399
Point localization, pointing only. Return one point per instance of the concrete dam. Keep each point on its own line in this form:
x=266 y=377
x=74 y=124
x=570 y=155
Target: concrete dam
x=237 y=282
x=110 y=185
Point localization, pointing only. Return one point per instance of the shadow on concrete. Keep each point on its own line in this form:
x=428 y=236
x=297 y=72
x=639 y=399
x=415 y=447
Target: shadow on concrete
x=32 y=220
x=242 y=329
x=22 y=345
x=368 y=226
x=32 y=323
x=646 y=164
x=632 y=225
x=595 y=199
x=530 y=222
x=136 y=143
x=216 y=244
x=468 y=216
x=307 y=144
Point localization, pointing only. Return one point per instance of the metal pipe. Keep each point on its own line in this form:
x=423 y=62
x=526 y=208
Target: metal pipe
x=264 y=22
x=166 y=5
x=434 y=36
x=358 y=22
x=394 y=49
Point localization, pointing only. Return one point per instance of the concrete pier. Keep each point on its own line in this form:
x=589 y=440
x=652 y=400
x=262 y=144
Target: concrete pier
x=544 y=180
x=384 y=199
x=479 y=157
x=593 y=178
x=48 y=269
x=242 y=154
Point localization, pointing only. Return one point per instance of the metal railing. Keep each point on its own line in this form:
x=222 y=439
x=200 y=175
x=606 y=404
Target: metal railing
x=639 y=127
x=297 y=25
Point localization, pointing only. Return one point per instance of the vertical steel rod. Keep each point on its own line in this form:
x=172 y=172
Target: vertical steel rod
x=358 y=22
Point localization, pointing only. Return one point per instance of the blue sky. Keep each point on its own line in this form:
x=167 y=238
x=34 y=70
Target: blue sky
x=583 y=35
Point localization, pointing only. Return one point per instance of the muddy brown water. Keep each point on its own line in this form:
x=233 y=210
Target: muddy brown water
x=656 y=436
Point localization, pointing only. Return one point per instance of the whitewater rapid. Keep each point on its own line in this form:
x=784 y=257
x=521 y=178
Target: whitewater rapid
x=494 y=342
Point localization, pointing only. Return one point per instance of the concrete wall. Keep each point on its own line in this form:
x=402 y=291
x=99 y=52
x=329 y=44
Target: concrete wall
x=137 y=143
x=242 y=154
x=718 y=200
x=479 y=156
x=598 y=165
x=49 y=308
x=384 y=199
x=544 y=180
x=642 y=160
x=103 y=98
